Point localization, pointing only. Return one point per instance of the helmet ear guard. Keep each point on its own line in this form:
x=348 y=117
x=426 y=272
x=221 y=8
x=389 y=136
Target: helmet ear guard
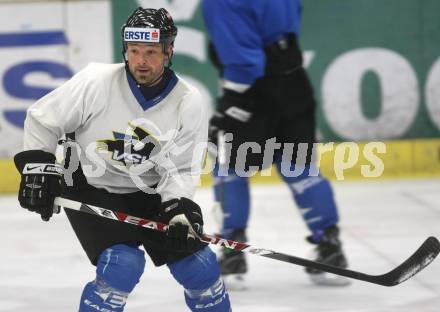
x=149 y=25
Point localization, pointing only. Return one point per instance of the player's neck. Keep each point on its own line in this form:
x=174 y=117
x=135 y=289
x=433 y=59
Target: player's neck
x=152 y=90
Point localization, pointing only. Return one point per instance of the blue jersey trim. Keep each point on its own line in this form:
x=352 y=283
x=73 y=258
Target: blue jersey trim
x=146 y=104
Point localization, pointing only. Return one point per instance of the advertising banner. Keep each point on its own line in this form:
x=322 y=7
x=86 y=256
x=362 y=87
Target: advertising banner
x=376 y=72
x=375 y=65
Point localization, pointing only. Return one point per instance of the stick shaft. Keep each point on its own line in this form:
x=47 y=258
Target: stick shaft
x=414 y=264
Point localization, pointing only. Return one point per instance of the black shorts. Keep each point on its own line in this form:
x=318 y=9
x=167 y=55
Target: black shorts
x=285 y=110
x=97 y=234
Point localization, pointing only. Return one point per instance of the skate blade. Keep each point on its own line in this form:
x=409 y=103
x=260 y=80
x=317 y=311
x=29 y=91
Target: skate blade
x=327 y=279
x=235 y=282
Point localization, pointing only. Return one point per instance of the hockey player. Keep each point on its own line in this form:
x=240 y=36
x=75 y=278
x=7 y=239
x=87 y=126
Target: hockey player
x=139 y=127
x=266 y=94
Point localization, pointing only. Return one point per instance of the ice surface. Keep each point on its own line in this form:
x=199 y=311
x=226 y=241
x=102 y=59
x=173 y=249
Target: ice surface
x=43 y=268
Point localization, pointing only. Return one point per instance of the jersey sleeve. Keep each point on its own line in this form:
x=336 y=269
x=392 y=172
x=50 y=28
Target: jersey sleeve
x=61 y=111
x=235 y=34
x=180 y=171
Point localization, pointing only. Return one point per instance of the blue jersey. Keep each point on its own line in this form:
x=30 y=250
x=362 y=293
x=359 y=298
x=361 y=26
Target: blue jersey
x=241 y=29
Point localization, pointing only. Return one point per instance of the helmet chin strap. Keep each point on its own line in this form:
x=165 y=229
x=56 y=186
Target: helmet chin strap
x=154 y=81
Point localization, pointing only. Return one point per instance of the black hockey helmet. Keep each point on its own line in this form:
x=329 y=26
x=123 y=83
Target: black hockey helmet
x=155 y=25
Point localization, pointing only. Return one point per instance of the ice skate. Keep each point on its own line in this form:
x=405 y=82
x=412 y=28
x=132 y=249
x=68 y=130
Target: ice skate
x=233 y=265
x=328 y=251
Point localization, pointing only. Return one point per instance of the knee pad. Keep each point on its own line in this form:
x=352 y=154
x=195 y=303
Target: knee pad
x=121 y=266
x=117 y=272
x=197 y=271
x=199 y=274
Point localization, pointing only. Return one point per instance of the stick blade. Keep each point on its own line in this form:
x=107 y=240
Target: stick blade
x=413 y=265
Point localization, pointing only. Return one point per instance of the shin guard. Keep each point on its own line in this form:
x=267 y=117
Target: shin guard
x=199 y=274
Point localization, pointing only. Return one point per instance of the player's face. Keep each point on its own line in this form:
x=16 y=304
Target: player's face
x=146 y=62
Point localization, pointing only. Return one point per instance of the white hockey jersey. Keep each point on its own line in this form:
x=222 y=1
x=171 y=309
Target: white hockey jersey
x=127 y=143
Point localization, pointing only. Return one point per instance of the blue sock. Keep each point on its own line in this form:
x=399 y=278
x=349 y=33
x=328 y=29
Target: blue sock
x=99 y=296
x=314 y=197
x=232 y=192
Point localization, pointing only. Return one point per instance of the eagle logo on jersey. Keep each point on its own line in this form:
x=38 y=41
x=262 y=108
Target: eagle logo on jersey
x=135 y=146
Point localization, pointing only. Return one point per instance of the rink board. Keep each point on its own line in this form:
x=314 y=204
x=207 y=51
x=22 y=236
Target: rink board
x=401 y=159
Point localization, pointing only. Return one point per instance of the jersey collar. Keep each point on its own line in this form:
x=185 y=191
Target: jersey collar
x=143 y=102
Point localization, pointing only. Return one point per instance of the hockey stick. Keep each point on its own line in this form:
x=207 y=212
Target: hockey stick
x=424 y=255
x=220 y=203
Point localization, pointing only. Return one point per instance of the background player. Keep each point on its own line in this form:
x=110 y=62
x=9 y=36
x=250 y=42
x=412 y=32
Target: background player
x=266 y=93
x=139 y=126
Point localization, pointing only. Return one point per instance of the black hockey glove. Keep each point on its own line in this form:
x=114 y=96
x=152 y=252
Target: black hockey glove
x=233 y=111
x=185 y=224
x=40 y=181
